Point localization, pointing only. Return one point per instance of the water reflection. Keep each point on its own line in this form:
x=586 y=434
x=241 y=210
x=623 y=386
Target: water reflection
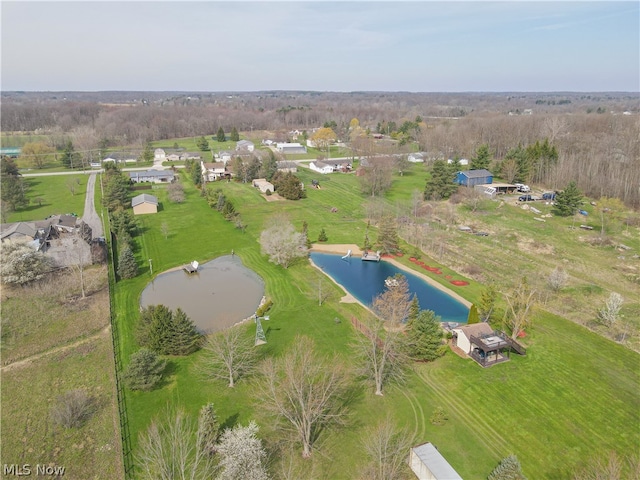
x=222 y=293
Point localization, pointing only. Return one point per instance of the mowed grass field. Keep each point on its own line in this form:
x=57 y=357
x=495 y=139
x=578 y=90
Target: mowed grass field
x=56 y=197
x=574 y=396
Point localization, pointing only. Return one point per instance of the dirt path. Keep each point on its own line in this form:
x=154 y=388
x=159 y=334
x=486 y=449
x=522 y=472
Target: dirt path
x=26 y=361
x=90 y=216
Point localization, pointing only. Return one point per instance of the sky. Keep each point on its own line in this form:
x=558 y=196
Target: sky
x=416 y=46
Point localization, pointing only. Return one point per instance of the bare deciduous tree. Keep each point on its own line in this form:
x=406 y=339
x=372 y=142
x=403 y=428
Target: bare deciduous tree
x=394 y=303
x=305 y=391
x=283 y=243
x=73 y=409
x=228 y=355
x=381 y=355
x=520 y=303
x=377 y=175
x=164 y=229
x=168 y=450
x=610 y=313
x=385 y=446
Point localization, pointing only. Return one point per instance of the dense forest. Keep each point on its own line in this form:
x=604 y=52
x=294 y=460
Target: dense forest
x=595 y=134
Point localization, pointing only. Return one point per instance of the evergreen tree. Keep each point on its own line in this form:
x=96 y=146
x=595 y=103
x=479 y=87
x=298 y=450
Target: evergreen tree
x=144 y=370
x=208 y=429
x=221 y=136
x=522 y=163
x=568 y=200
x=270 y=166
x=482 y=158
x=323 y=236
x=12 y=188
x=440 y=184
x=184 y=338
x=425 y=337
x=152 y=318
x=147 y=153
x=473 y=315
x=305 y=232
x=253 y=169
x=508 y=469
x=70 y=159
x=288 y=186
x=127 y=266
x=235 y=137
x=202 y=144
x=414 y=309
x=228 y=211
x=388 y=235
x=221 y=202
x=488 y=298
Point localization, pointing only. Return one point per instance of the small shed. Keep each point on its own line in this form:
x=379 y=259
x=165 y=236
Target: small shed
x=144 y=203
x=428 y=464
x=471 y=178
x=263 y=185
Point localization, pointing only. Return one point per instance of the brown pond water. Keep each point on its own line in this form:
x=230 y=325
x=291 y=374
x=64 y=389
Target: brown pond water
x=222 y=293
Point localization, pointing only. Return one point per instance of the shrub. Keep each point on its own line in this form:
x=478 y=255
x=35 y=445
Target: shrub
x=264 y=308
x=73 y=409
x=323 y=236
x=438 y=417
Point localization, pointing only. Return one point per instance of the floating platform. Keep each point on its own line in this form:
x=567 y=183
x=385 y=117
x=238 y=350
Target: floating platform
x=191 y=267
x=371 y=257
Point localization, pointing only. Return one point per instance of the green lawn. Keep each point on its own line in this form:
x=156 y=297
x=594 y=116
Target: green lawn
x=56 y=197
x=575 y=394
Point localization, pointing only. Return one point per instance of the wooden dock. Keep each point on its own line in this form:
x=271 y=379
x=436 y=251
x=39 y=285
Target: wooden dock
x=371 y=257
x=191 y=267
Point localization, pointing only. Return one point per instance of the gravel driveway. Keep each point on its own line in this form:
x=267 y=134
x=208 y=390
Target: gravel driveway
x=90 y=216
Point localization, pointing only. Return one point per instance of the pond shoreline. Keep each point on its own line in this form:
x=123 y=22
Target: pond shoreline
x=356 y=251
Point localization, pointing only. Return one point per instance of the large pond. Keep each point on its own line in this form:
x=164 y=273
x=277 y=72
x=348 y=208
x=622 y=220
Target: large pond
x=220 y=294
x=365 y=280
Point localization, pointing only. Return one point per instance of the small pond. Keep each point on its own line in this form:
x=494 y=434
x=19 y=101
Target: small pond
x=365 y=280
x=222 y=293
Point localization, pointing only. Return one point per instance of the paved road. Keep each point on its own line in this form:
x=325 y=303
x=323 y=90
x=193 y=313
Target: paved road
x=91 y=216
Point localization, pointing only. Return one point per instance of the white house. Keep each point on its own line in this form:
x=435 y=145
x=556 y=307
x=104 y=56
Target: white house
x=190 y=156
x=428 y=464
x=173 y=157
x=263 y=185
x=245 y=145
x=321 y=167
x=225 y=156
x=121 y=157
x=212 y=171
x=159 y=155
x=416 y=157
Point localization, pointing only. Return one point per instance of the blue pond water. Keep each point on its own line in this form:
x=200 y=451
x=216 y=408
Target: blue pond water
x=365 y=280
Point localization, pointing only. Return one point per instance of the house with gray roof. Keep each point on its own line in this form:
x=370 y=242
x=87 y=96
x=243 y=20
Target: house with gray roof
x=154 y=176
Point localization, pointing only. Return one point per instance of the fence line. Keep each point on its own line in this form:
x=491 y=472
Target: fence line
x=125 y=435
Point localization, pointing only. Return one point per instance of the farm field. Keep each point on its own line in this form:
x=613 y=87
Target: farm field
x=54 y=342
x=575 y=393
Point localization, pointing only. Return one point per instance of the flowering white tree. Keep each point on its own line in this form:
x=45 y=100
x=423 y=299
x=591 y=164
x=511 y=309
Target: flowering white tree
x=282 y=243
x=242 y=454
x=22 y=264
x=610 y=313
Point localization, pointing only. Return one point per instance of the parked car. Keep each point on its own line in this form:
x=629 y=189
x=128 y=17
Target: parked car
x=521 y=187
x=526 y=198
x=549 y=196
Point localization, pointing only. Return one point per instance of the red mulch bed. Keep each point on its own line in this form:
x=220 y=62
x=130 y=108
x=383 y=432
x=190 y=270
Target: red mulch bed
x=459 y=283
x=399 y=254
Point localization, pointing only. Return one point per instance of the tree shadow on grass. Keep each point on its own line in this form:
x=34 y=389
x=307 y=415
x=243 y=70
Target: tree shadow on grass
x=229 y=422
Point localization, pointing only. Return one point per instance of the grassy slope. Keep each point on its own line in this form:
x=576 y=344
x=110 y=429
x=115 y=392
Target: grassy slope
x=575 y=393
x=57 y=198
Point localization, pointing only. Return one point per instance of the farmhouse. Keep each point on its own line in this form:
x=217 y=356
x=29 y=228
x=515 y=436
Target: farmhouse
x=263 y=185
x=245 y=145
x=144 y=203
x=428 y=464
x=291 y=148
x=485 y=345
x=212 y=171
x=471 y=178
x=154 y=176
